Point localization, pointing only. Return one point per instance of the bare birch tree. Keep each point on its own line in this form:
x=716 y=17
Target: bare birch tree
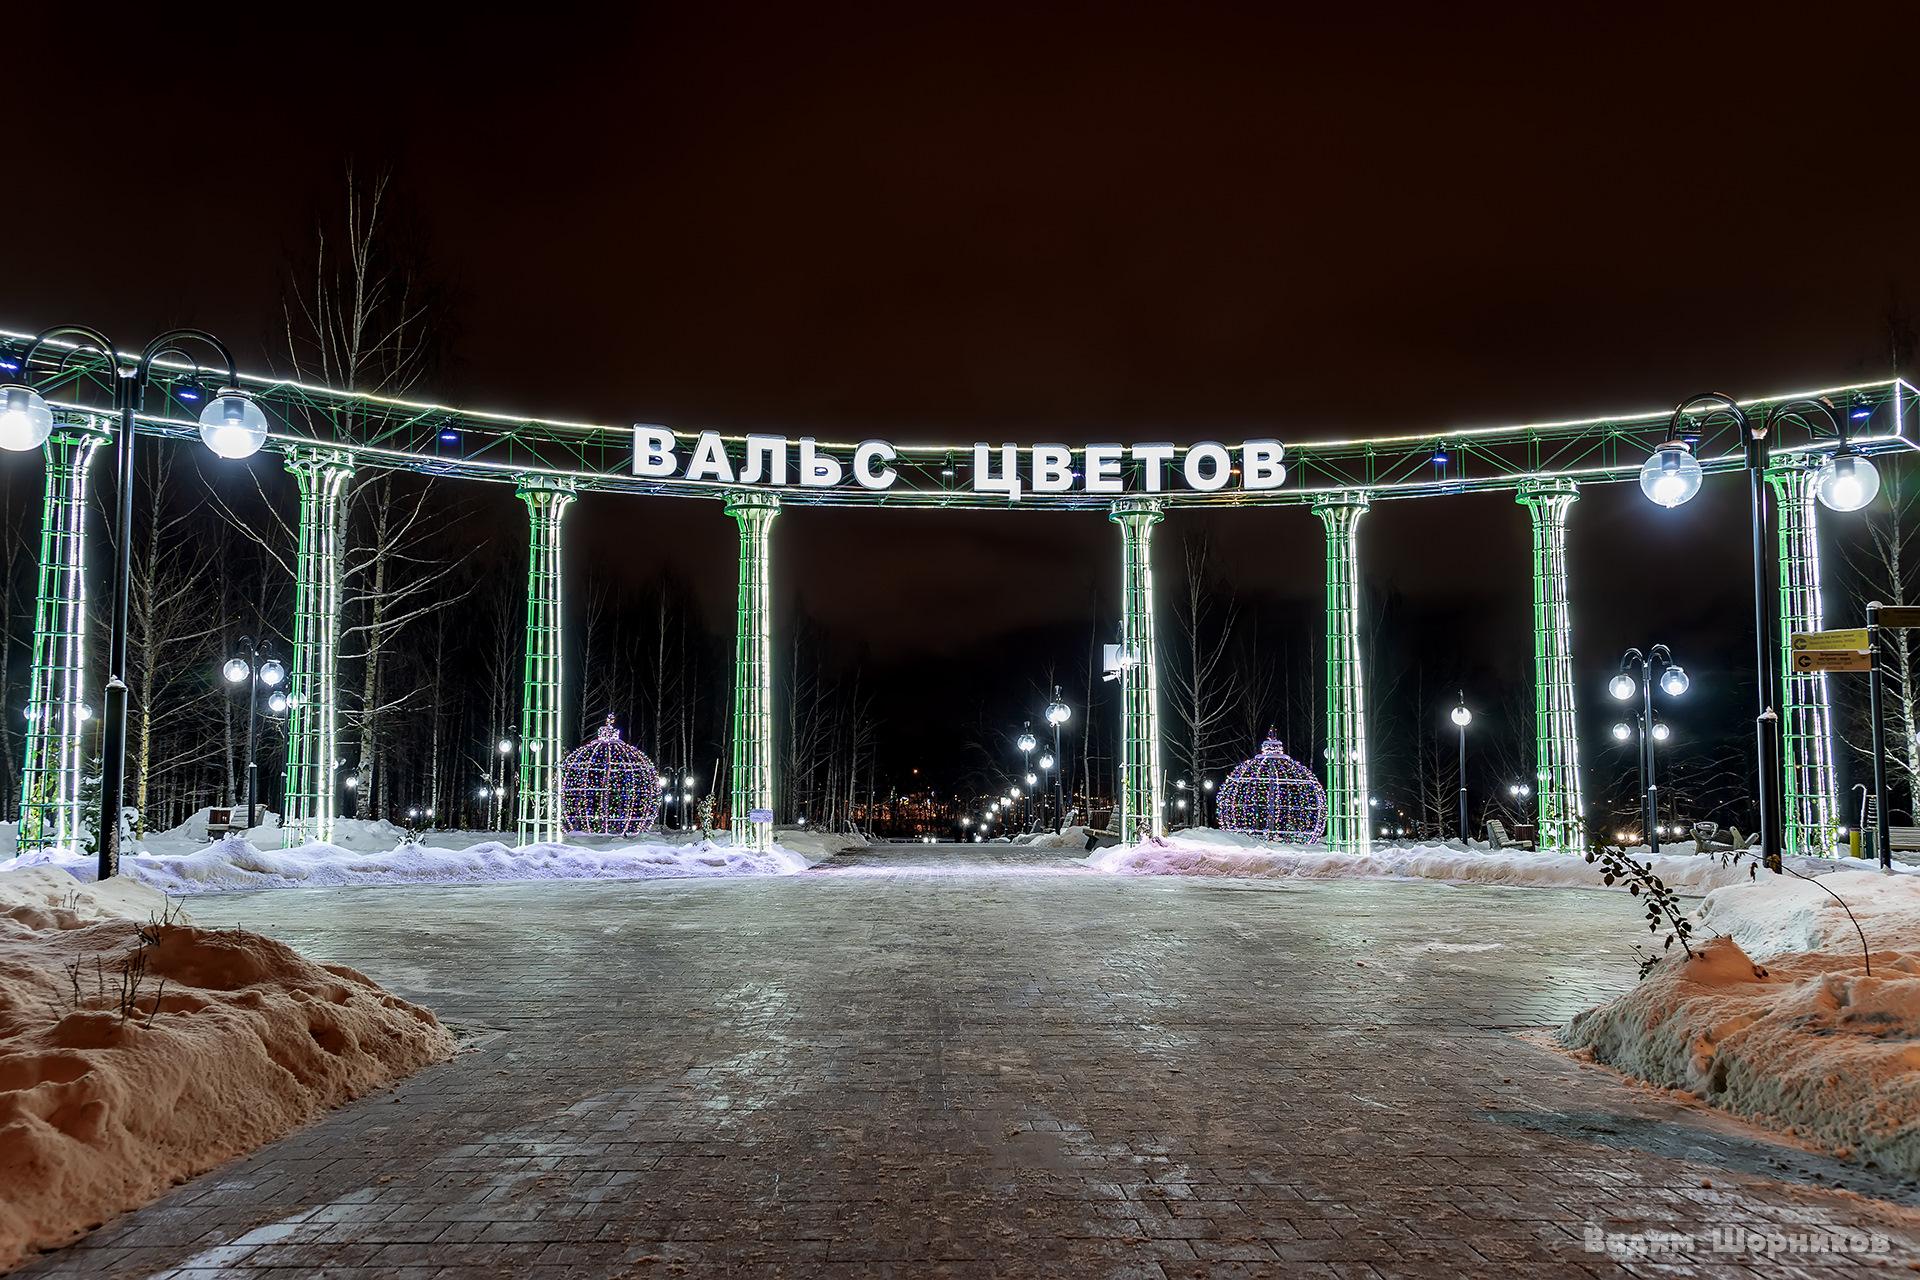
x=1205 y=684
x=172 y=650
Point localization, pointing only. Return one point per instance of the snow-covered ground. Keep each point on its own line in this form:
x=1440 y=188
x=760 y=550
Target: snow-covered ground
x=226 y=1040
x=378 y=853
x=1777 y=1018
x=1205 y=852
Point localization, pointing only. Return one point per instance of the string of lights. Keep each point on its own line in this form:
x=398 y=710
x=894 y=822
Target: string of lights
x=608 y=787
x=1275 y=797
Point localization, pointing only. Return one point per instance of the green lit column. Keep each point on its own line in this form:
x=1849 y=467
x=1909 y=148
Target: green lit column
x=546 y=498
x=313 y=702
x=1141 y=790
x=50 y=779
x=1560 y=806
x=752 y=779
x=1811 y=803
x=1349 y=823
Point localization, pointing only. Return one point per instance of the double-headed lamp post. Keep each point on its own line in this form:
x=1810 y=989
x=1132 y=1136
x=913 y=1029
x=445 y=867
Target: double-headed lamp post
x=259 y=667
x=1673 y=682
x=1846 y=481
x=1521 y=793
x=1462 y=717
x=1058 y=713
x=1026 y=744
x=231 y=424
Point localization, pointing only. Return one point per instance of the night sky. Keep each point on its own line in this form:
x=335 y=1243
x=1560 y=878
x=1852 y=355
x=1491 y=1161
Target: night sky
x=1098 y=221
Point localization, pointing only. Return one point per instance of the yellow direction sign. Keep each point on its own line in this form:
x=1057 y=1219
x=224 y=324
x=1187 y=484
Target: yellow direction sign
x=1805 y=660
x=1899 y=616
x=1854 y=639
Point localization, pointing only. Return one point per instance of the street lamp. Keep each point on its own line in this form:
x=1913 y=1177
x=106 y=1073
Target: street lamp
x=1521 y=793
x=1046 y=770
x=1026 y=745
x=256 y=670
x=1846 y=481
x=504 y=755
x=231 y=424
x=1462 y=717
x=1673 y=682
x=1058 y=713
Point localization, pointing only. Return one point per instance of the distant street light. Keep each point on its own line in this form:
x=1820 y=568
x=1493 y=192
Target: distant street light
x=1058 y=713
x=258 y=668
x=1673 y=682
x=1520 y=792
x=1462 y=717
x=1026 y=745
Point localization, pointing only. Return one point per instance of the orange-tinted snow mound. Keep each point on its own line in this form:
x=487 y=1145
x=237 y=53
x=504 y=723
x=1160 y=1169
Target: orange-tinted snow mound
x=100 y=1112
x=1807 y=1044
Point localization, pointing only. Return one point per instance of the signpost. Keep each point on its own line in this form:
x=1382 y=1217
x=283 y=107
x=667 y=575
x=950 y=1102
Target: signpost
x=1857 y=638
x=1876 y=711
x=1857 y=649
x=1805 y=660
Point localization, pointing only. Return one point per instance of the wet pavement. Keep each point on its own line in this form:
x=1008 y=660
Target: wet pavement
x=978 y=1061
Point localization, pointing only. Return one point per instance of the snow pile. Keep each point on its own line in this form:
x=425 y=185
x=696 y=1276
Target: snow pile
x=1807 y=1043
x=234 y=863
x=1072 y=839
x=814 y=847
x=1780 y=914
x=114 y=1086
x=1203 y=852
x=41 y=897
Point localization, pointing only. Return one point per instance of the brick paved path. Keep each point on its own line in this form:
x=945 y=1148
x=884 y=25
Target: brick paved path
x=940 y=1062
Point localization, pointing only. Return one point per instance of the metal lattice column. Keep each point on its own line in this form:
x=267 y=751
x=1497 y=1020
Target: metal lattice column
x=50 y=780
x=313 y=711
x=1812 y=801
x=1142 y=793
x=1561 y=807
x=752 y=782
x=546 y=500
x=1349 y=822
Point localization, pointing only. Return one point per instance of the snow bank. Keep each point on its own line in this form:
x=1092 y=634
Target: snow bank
x=1806 y=1044
x=234 y=863
x=107 y=1099
x=814 y=847
x=41 y=897
x=1202 y=852
x=1780 y=914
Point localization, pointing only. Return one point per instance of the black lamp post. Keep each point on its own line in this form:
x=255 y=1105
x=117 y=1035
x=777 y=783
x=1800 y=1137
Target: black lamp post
x=230 y=423
x=1462 y=717
x=1846 y=481
x=256 y=670
x=1058 y=713
x=1673 y=682
x=1026 y=744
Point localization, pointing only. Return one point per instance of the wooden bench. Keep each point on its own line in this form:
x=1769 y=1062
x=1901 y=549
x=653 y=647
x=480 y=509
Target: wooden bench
x=1497 y=836
x=1904 y=839
x=225 y=822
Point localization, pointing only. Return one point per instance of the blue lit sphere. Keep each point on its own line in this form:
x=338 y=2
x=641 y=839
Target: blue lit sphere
x=608 y=788
x=1274 y=797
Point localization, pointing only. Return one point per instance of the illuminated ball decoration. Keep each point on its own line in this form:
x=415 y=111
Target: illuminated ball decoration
x=1275 y=797
x=608 y=788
